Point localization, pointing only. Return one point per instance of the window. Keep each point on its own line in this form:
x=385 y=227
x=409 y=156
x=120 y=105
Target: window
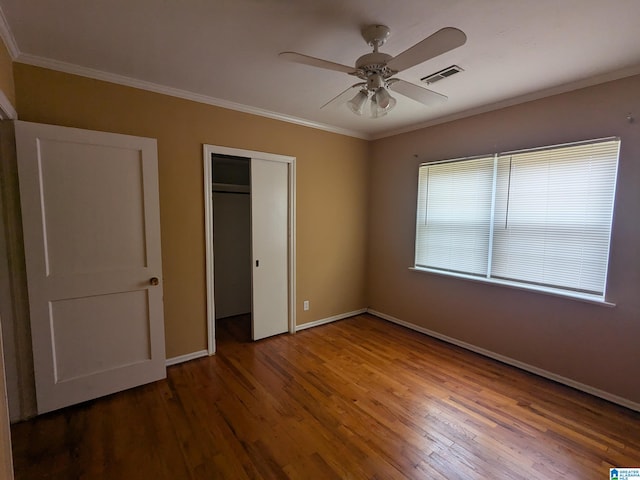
x=538 y=219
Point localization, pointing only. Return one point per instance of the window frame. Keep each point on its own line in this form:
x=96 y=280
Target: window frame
x=545 y=289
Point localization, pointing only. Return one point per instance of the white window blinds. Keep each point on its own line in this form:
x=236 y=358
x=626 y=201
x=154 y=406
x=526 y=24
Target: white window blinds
x=553 y=216
x=540 y=217
x=454 y=215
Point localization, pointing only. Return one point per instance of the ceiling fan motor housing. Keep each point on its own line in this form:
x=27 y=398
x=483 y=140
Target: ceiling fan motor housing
x=372 y=67
x=374 y=82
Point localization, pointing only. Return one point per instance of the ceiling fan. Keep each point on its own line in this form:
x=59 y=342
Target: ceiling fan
x=377 y=69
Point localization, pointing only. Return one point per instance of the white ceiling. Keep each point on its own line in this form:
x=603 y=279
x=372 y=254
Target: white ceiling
x=226 y=51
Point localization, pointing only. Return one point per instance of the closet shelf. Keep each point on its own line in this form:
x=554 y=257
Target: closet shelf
x=229 y=187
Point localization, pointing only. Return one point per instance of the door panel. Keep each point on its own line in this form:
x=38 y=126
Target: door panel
x=92 y=243
x=269 y=234
x=112 y=179
x=99 y=333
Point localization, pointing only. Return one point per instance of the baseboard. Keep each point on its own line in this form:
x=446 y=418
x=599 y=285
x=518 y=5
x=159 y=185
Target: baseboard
x=515 y=363
x=186 y=358
x=335 y=318
x=204 y=353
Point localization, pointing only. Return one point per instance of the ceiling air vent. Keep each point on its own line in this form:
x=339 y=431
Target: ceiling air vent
x=441 y=75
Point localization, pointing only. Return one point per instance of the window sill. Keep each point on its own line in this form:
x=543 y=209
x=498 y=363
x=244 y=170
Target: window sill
x=528 y=288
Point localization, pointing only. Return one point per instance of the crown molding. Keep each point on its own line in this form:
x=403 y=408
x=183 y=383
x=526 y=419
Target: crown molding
x=17 y=56
x=175 y=92
x=12 y=47
x=564 y=88
x=7 y=36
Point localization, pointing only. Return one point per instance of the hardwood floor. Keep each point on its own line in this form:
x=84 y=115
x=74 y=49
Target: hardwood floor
x=359 y=398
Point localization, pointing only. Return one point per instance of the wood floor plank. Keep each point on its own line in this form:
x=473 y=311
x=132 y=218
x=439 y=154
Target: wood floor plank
x=359 y=398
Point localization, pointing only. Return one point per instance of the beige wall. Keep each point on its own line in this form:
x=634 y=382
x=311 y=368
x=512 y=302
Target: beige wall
x=6 y=74
x=332 y=190
x=591 y=344
x=349 y=204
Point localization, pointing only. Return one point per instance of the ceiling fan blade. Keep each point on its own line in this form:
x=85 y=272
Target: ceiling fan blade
x=440 y=42
x=419 y=94
x=315 y=62
x=343 y=96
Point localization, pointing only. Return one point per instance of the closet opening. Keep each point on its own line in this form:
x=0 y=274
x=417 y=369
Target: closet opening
x=249 y=206
x=231 y=191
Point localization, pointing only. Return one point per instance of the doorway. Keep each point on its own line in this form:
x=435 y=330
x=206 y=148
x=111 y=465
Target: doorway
x=231 y=190
x=250 y=239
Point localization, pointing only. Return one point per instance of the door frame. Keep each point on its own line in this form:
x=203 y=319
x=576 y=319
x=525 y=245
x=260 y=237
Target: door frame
x=7 y=112
x=208 y=150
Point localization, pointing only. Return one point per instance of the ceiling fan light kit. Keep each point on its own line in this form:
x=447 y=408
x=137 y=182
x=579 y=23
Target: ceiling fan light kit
x=376 y=89
x=381 y=104
x=357 y=103
x=377 y=68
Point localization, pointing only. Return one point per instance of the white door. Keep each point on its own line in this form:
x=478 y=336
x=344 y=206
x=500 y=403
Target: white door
x=91 y=225
x=269 y=236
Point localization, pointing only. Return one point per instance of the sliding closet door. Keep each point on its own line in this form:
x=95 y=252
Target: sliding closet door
x=270 y=247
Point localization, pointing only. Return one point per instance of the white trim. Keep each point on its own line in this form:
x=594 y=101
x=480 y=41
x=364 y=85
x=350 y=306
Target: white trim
x=207 y=150
x=7 y=36
x=492 y=217
x=7 y=110
x=292 y=246
x=335 y=318
x=185 y=358
x=205 y=99
x=38 y=61
x=509 y=102
x=208 y=234
x=515 y=363
x=176 y=92
x=241 y=152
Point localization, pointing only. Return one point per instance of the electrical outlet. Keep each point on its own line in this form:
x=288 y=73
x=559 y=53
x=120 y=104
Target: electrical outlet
x=305 y=305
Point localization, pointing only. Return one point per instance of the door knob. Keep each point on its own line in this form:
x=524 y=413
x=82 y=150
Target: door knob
x=154 y=281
